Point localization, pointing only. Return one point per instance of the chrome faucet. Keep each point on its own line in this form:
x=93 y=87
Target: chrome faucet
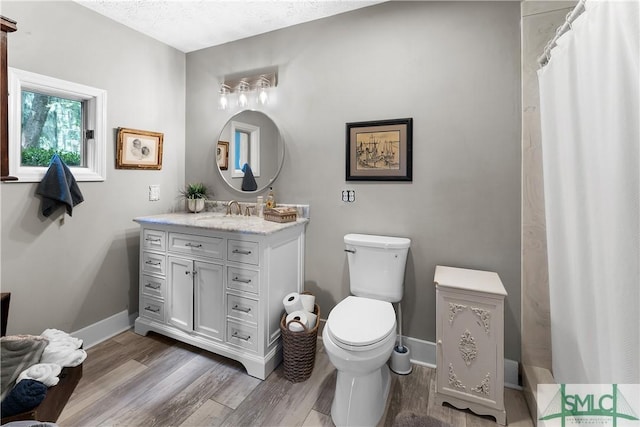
x=231 y=203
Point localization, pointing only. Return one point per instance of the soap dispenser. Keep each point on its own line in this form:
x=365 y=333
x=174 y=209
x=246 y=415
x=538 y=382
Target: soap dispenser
x=271 y=199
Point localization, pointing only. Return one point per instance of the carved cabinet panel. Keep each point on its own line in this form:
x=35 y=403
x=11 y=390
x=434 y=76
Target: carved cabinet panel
x=470 y=340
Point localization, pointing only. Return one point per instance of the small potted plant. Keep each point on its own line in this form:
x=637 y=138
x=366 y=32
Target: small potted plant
x=195 y=194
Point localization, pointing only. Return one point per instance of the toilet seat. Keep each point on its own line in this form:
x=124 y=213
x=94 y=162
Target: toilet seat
x=360 y=324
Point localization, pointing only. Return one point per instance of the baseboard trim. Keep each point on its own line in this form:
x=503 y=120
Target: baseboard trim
x=106 y=328
x=422 y=352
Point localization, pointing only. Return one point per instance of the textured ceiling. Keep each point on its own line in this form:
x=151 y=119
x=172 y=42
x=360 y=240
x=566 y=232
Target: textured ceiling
x=190 y=25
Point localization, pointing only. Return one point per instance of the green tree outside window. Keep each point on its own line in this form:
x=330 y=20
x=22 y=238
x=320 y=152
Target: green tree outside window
x=51 y=125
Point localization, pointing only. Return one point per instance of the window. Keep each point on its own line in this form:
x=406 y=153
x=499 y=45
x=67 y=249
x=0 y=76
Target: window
x=51 y=115
x=245 y=148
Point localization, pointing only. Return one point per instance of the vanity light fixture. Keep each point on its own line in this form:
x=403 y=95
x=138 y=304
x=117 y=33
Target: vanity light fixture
x=243 y=88
x=236 y=89
x=223 y=102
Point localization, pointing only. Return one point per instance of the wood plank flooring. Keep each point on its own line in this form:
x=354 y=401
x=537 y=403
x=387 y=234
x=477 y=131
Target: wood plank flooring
x=131 y=380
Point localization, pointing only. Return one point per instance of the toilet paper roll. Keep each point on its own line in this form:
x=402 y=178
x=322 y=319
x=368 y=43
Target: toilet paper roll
x=292 y=302
x=300 y=316
x=312 y=318
x=308 y=301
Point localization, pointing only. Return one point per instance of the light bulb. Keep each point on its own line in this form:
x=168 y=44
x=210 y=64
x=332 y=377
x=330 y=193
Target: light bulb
x=262 y=86
x=263 y=97
x=243 y=88
x=223 y=102
x=242 y=100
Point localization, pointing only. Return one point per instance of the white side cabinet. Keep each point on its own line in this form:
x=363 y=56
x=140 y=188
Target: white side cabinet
x=470 y=340
x=219 y=290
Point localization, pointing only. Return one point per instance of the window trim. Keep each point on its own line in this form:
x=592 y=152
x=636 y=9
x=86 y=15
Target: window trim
x=96 y=116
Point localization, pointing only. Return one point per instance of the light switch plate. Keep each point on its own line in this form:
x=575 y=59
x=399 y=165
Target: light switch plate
x=154 y=193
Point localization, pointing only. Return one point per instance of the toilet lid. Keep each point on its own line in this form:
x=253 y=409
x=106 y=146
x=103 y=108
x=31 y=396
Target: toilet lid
x=358 y=321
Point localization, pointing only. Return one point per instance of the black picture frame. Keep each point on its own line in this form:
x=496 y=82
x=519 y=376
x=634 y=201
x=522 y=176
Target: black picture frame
x=380 y=150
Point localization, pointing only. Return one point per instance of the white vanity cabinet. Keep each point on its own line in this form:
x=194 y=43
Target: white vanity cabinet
x=470 y=340
x=220 y=290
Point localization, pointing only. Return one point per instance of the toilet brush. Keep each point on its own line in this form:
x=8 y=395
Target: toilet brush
x=400 y=358
x=400 y=348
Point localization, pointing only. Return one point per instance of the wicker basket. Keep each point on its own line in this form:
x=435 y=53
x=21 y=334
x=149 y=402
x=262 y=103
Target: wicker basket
x=299 y=349
x=280 y=214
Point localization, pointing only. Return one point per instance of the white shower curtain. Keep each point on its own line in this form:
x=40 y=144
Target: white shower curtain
x=589 y=104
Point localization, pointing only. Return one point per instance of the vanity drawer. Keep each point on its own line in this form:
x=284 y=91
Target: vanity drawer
x=154 y=240
x=153 y=263
x=210 y=247
x=242 y=279
x=153 y=286
x=245 y=252
x=241 y=308
x=244 y=336
x=152 y=309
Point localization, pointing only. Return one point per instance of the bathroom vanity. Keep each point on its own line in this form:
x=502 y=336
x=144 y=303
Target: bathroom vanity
x=470 y=340
x=217 y=282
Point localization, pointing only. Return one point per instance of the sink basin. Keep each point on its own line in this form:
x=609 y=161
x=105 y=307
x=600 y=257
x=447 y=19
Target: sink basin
x=202 y=217
x=224 y=217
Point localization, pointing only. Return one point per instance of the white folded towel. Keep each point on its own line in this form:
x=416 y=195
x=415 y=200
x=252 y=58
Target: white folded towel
x=58 y=336
x=63 y=354
x=46 y=373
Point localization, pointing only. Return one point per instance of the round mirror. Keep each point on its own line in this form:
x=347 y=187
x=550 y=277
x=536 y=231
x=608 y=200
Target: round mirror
x=250 y=151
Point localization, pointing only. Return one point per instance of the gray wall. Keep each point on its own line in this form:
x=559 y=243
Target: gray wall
x=71 y=275
x=452 y=66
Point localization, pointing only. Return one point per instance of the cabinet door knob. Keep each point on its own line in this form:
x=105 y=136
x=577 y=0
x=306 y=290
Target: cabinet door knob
x=439 y=342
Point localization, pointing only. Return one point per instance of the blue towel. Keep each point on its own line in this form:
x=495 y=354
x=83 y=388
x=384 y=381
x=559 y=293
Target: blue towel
x=58 y=188
x=26 y=395
x=248 y=181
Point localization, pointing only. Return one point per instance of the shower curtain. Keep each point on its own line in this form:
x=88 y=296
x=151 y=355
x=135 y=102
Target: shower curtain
x=589 y=106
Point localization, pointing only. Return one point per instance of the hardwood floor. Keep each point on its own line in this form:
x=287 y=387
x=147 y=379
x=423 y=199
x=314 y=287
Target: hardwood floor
x=131 y=380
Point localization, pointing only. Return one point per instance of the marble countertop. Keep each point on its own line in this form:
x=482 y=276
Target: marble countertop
x=220 y=222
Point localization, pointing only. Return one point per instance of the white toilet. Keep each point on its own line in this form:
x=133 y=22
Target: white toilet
x=360 y=332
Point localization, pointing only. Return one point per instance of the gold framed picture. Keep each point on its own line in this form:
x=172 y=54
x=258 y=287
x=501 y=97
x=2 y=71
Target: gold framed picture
x=222 y=155
x=139 y=149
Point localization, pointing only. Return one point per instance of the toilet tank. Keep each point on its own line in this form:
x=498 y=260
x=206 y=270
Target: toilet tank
x=376 y=265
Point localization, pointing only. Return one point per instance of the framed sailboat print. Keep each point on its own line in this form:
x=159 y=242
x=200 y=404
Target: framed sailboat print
x=380 y=150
